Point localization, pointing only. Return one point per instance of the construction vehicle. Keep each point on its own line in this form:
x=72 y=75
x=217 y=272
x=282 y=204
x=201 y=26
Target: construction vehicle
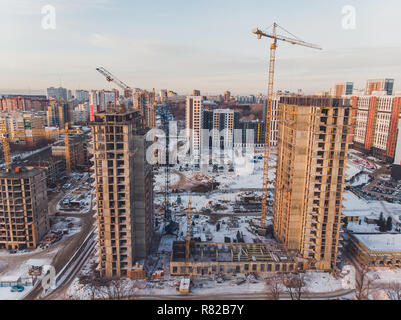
x=5 y=139
x=274 y=39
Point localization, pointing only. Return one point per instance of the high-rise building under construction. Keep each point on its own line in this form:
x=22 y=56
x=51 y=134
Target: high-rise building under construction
x=24 y=216
x=311 y=162
x=124 y=191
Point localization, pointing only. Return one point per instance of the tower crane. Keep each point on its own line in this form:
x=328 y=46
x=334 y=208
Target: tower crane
x=188 y=235
x=274 y=39
x=66 y=132
x=111 y=78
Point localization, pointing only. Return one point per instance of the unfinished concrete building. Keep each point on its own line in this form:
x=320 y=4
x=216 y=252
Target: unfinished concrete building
x=124 y=191
x=312 y=149
x=77 y=151
x=207 y=259
x=23 y=208
x=54 y=169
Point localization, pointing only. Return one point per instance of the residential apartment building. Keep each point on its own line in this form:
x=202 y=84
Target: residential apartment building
x=124 y=191
x=144 y=102
x=23 y=208
x=225 y=121
x=25 y=128
x=273 y=119
x=373 y=85
x=57 y=93
x=193 y=123
x=376 y=124
x=19 y=103
x=82 y=95
x=311 y=163
x=342 y=89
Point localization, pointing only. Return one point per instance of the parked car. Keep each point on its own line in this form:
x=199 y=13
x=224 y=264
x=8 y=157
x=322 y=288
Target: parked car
x=17 y=288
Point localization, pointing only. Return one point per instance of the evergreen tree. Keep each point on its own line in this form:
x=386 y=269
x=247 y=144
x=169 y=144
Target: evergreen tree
x=389 y=224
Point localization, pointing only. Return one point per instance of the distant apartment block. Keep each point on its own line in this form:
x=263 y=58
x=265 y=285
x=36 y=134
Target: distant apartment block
x=225 y=121
x=57 y=93
x=312 y=149
x=163 y=96
x=23 y=208
x=193 y=123
x=227 y=96
x=24 y=128
x=342 y=89
x=376 y=124
x=373 y=85
x=144 y=102
x=81 y=95
x=19 y=103
x=124 y=191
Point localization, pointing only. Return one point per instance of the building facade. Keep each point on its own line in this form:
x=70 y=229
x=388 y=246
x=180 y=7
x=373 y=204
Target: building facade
x=123 y=186
x=57 y=93
x=193 y=123
x=144 y=102
x=376 y=125
x=19 y=103
x=312 y=148
x=23 y=208
x=386 y=85
x=342 y=89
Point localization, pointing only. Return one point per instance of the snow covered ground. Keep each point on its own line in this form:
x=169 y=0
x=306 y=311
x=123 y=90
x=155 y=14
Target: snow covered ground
x=315 y=282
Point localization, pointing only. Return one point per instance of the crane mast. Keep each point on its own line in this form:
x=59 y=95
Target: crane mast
x=188 y=235
x=274 y=38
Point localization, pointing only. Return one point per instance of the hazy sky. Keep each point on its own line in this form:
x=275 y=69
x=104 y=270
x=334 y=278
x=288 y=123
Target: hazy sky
x=203 y=44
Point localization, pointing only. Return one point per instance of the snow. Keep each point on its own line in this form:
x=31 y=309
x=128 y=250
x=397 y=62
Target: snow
x=355 y=206
x=22 y=270
x=315 y=282
x=381 y=242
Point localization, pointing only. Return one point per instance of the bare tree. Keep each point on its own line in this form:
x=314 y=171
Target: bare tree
x=118 y=289
x=363 y=284
x=295 y=285
x=393 y=291
x=274 y=286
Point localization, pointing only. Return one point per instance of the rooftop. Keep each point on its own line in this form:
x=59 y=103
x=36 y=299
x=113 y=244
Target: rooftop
x=380 y=242
x=19 y=173
x=317 y=101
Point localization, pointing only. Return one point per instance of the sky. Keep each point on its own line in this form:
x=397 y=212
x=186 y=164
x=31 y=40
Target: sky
x=208 y=45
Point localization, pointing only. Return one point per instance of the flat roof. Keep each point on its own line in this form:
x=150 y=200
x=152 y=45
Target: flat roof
x=380 y=242
x=21 y=174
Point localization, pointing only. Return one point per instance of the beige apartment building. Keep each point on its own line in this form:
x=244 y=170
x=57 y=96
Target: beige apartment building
x=124 y=191
x=312 y=149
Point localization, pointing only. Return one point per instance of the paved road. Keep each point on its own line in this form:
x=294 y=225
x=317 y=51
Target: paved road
x=249 y=296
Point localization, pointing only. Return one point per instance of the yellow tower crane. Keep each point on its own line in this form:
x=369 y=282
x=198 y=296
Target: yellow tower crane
x=66 y=132
x=274 y=39
x=188 y=235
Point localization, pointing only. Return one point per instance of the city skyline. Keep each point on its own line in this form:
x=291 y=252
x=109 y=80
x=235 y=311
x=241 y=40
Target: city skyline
x=159 y=45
